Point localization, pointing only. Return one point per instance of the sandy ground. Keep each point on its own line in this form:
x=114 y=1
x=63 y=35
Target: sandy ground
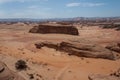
x=48 y=64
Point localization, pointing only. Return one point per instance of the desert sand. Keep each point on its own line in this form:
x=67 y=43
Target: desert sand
x=48 y=64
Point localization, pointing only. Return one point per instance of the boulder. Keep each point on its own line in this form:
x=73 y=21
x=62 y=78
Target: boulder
x=79 y=49
x=114 y=47
x=58 y=29
x=7 y=74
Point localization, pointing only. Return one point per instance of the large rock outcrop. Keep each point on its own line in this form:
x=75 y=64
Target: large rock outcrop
x=79 y=49
x=102 y=77
x=7 y=74
x=59 y=29
x=112 y=76
x=114 y=47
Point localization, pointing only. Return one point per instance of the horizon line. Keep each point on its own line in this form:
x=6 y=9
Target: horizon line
x=64 y=17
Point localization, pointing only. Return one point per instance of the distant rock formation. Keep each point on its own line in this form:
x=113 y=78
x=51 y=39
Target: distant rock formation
x=58 y=29
x=7 y=74
x=79 y=49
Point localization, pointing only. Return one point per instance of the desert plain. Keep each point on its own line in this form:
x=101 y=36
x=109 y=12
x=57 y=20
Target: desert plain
x=16 y=43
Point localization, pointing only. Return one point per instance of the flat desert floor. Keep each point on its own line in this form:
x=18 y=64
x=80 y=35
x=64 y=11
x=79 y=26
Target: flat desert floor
x=48 y=64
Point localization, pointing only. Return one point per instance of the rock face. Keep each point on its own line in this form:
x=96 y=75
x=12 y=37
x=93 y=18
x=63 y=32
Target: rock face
x=102 y=77
x=114 y=47
x=79 y=49
x=7 y=74
x=116 y=73
x=112 y=76
x=59 y=29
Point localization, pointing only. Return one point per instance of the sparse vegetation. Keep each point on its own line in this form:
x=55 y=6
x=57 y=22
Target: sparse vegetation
x=21 y=65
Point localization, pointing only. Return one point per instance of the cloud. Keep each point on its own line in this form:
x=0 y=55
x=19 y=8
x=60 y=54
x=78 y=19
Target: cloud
x=33 y=7
x=84 y=4
x=38 y=8
x=73 y=4
x=6 y=1
x=33 y=11
x=29 y=14
x=25 y=14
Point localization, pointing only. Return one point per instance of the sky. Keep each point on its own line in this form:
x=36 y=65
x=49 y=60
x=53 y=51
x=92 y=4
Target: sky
x=59 y=8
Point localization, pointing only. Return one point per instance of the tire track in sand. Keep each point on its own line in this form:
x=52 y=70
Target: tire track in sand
x=60 y=74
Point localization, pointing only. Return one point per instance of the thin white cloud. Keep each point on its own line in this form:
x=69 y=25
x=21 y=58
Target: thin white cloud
x=33 y=7
x=84 y=4
x=1 y=13
x=73 y=4
x=91 y=4
x=33 y=11
x=6 y=1
x=29 y=14
x=38 y=8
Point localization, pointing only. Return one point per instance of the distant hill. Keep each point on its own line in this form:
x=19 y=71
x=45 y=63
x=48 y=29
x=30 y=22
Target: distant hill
x=60 y=19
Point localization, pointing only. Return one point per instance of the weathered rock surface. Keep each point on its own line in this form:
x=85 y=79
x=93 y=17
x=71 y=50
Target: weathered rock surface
x=79 y=49
x=102 y=77
x=7 y=74
x=60 y=29
x=114 y=47
x=112 y=76
x=116 y=73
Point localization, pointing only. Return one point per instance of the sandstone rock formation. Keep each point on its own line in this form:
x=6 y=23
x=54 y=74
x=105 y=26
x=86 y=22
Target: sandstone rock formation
x=116 y=73
x=79 y=49
x=112 y=76
x=7 y=74
x=114 y=47
x=102 y=77
x=60 y=29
